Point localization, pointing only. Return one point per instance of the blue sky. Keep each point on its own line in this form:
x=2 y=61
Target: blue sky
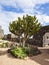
x=12 y=9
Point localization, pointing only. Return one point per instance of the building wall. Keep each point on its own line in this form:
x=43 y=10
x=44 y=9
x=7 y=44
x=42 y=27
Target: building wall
x=46 y=39
x=38 y=37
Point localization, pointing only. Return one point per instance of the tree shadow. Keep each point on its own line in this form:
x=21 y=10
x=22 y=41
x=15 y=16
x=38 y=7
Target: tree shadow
x=3 y=52
x=9 y=54
x=41 y=58
x=6 y=53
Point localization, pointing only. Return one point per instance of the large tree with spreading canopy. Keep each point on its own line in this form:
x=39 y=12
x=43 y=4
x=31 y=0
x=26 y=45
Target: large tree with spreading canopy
x=27 y=25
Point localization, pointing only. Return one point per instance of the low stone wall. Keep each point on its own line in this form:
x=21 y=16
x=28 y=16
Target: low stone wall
x=44 y=50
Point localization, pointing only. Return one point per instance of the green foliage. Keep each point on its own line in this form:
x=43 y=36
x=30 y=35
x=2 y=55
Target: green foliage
x=34 y=51
x=16 y=27
x=4 y=45
x=19 y=52
x=22 y=52
x=28 y=26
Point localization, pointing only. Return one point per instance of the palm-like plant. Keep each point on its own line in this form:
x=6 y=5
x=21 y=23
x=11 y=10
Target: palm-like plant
x=28 y=26
x=16 y=28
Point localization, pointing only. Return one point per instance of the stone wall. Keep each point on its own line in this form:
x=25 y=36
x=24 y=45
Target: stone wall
x=38 y=38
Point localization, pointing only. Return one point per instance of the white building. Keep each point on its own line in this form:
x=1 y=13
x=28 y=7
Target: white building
x=13 y=36
x=46 y=39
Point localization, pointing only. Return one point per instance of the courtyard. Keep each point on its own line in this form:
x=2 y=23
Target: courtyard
x=7 y=59
x=41 y=59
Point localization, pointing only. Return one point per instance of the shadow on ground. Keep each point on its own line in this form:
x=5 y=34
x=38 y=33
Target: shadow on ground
x=10 y=56
x=42 y=58
x=3 y=52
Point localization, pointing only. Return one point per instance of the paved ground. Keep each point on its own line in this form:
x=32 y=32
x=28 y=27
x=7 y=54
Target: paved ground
x=7 y=59
x=41 y=59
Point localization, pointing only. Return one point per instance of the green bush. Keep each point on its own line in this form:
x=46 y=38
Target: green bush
x=33 y=51
x=4 y=45
x=0 y=45
x=22 y=52
x=19 y=52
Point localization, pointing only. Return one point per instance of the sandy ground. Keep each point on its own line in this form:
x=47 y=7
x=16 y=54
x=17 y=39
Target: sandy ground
x=42 y=58
x=6 y=59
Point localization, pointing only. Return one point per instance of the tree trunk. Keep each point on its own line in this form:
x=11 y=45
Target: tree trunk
x=24 y=40
x=23 y=43
x=19 y=41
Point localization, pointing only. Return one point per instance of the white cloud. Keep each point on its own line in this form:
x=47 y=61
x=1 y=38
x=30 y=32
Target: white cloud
x=40 y=1
x=7 y=17
x=26 y=5
x=43 y=19
x=23 y=3
x=46 y=18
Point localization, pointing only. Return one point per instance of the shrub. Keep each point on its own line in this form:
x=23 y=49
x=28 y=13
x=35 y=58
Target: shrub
x=19 y=52
x=22 y=52
x=0 y=45
x=4 y=45
x=33 y=51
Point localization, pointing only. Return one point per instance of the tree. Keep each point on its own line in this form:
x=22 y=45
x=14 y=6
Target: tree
x=27 y=26
x=30 y=27
x=16 y=28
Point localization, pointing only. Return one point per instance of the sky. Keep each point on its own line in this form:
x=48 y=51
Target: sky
x=12 y=9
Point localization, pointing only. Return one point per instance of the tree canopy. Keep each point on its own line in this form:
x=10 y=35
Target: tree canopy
x=27 y=25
